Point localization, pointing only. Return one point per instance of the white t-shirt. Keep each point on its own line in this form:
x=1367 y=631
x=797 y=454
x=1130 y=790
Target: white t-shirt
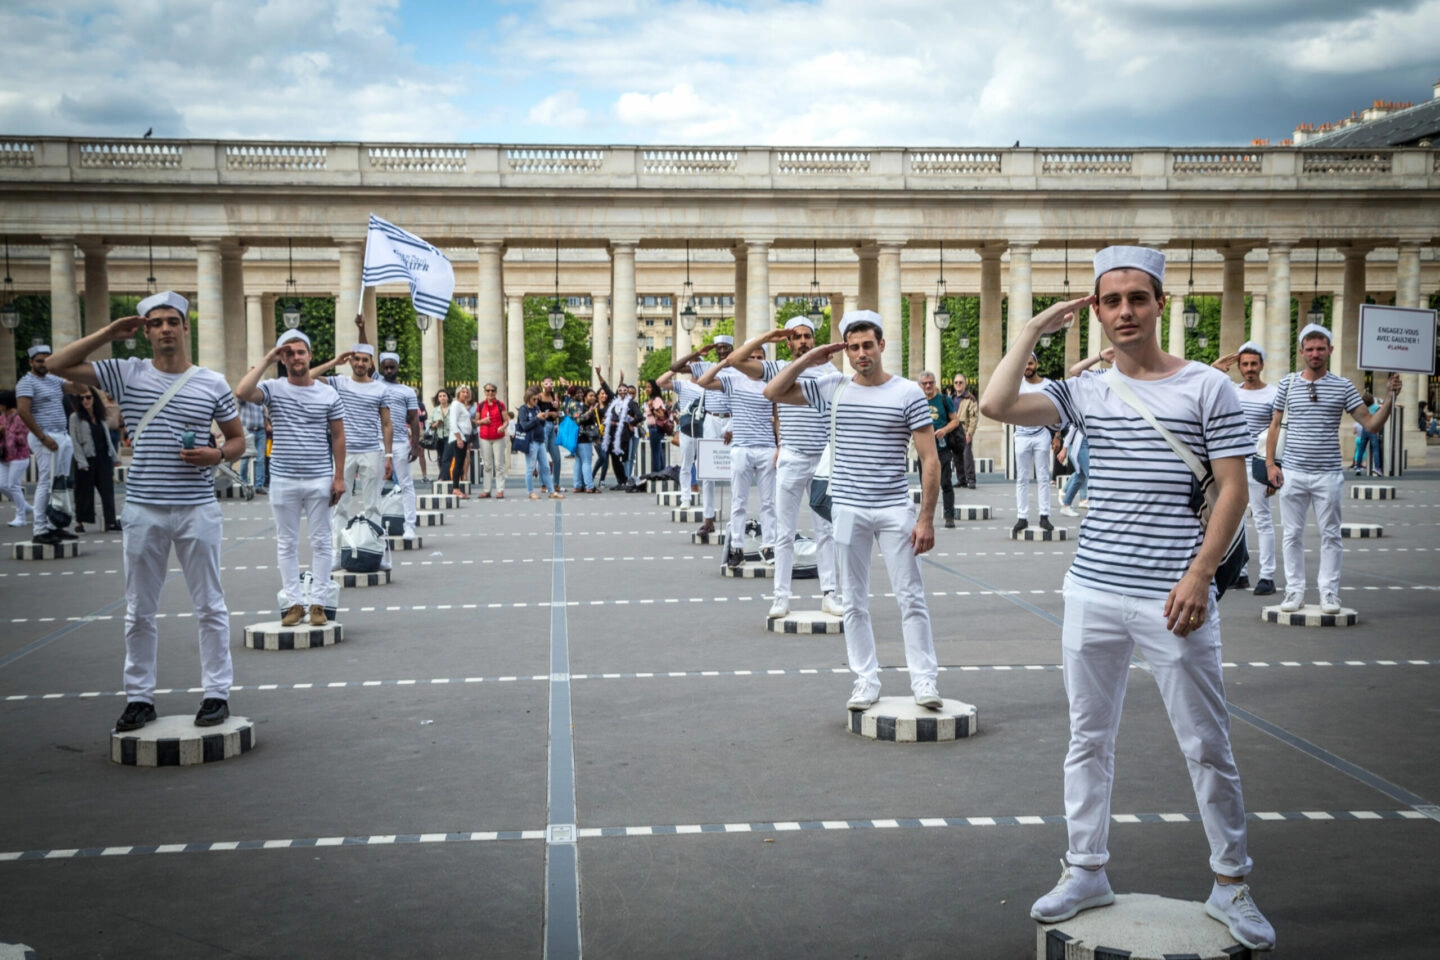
x=457 y=420
x=157 y=474
x=751 y=425
x=1141 y=535
x=362 y=403
x=47 y=401
x=1312 y=427
x=802 y=429
x=872 y=434
x=300 y=427
x=1258 y=406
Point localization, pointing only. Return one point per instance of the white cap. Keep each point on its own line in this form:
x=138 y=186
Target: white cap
x=723 y=338
x=800 y=321
x=389 y=356
x=289 y=335
x=39 y=348
x=1310 y=328
x=1250 y=346
x=166 y=298
x=1132 y=258
x=853 y=317
x=364 y=348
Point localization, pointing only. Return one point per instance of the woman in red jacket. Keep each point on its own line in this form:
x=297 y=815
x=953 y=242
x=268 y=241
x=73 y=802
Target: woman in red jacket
x=492 y=417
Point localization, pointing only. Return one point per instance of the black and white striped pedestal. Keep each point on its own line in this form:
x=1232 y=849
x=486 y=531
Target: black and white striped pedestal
x=1035 y=533
x=670 y=498
x=713 y=539
x=971 y=511
x=1310 y=616
x=806 y=621
x=429 y=518
x=688 y=515
x=1139 y=926
x=236 y=491
x=984 y=464
x=656 y=486
x=401 y=543
x=446 y=486
x=29 y=550
x=271 y=635
x=902 y=720
x=377 y=579
x=175 y=741
x=1361 y=531
x=437 y=501
x=1371 y=491
x=121 y=473
x=749 y=570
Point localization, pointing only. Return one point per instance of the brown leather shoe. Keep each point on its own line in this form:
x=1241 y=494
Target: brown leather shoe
x=292 y=616
x=707 y=527
x=317 y=615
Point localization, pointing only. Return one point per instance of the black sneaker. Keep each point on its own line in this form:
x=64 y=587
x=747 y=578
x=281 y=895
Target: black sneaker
x=734 y=557
x=1020 y=524
x=1265 y=587
x=137 y=714
x=767 y=554
x=64 y=534
x=1243 y=583
x=49 y=537
x=949 y=523
x=213 y=710
x=1045 y=523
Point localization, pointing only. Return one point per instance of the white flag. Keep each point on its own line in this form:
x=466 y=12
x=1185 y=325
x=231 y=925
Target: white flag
x=394 y=254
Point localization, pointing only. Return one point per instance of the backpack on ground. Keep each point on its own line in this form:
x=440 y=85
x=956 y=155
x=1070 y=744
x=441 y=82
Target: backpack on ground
x=392 y=511
x=362 y=546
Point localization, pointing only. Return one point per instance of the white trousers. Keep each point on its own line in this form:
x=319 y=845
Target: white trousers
x=751 y=465
x=364 y=476
x=1300 y=492
x=714 y=429
x=195 y=532
x=689 y=453
x=1102 y=630
x=1264 y=527
x=793 y=474
x=48 y=466
x=495 y=464
x=1032 y=452
x=289 y=500
x=12 y=484
x=404 y=478
x=856 y=532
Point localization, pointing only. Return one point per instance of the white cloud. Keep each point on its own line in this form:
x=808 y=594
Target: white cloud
x=558 y=110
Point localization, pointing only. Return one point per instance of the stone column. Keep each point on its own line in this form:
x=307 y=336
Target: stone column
x=759 y=308
x=210 y=305
x=914 y=335
x=97 y=293
x=1094 y=334
x=1259 y=322
x=888 y=270
x=515 y=348
x=934 y=358
x=1072 y=344
x=232 y=286
x=1303 y=303
x=869 y=298
x=490 y=316
x=370 y=310
x=7 y=356
x=64 y=301
x=1232 y=299
x=600 y=336
x=267 y=325
x=742 y=291
x=1277 y=329
x=1175 y=345
x=837 y=313
x=989 y=436
x=1022 y=300
x=254 y=330
x=347 y=299
x=1412 y=389
x=623 y=280
x=1348 y=335
x=432 y=364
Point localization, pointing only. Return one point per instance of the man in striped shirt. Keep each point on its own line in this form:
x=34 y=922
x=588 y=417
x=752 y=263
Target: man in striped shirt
x=1144 y=573
x=40 y=401
x=1257 y=402
x=717 y=414
x=405 y=449
x=169 y=493
x=877 y=415
x=1032 y=452
x=752 y=437
x=1309 y=405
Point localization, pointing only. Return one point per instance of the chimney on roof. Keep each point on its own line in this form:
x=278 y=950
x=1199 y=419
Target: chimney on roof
x=1435 y=95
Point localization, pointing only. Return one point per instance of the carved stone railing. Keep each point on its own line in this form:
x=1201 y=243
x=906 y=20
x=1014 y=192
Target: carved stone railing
x=399 y=159
x=1215 y=163
x=688 y=162
x=17 y=153
x=1345 y=161
x=822 y=162
x=131 y=155
x=1087 y=163
x=949 y=163
x=276 y=156
x=555 y=160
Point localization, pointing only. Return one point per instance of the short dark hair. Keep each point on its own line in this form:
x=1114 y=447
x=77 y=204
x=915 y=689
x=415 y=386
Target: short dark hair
x=7 y=398
x=1155 y=283
x=862 y=326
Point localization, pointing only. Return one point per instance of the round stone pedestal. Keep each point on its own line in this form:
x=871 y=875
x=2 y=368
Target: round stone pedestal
x=1139 y=926
x=446 y=486
x=402 y=543
x=377 y=579
x=1361 y=531
x=687 y=515
x=806 y=621
x=1372 y=491
x=271 y=635
x=236 y=491
x=972 y=511
x=902 y=720
x=1310 y=616
x=175 y=741
x=716 y=538
x=984 y=464
x=437 y=501
x=429 y=518
x=29 y=550
x=749 y=570
x=121 y=473
x=1035 y=533
x=670 y=498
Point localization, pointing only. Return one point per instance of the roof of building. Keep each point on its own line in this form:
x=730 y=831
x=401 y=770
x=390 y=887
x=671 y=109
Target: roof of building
x=1403 y=128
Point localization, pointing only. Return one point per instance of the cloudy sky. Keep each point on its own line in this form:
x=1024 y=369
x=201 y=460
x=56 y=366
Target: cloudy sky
x=827 y=72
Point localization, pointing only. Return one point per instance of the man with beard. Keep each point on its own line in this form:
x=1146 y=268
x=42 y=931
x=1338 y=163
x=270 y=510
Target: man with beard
x=41 y=404
x=405 y=447
x=717 y=414
x=1257 y=401
x=1032 y=452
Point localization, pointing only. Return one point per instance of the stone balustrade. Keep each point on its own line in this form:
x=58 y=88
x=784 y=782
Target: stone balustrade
x=262 y=163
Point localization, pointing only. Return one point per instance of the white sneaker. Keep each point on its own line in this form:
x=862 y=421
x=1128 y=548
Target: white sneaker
x=17 y=523
x=409 y=534
x=831 y=604
x=927 y=696
x=1078 y=889
x=1292 y=602
x=1068 y=510
x=1084 y=504
x=863 y=696
x=780 y=608
x=1230 y=903
x=1329 y=603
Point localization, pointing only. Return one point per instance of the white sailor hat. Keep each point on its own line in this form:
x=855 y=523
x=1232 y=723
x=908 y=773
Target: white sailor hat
x=1250 y=346
x=364 y=348
x=723 y=338
x=1310 y=328
x=1133 y=258
x=387 y=355
x=861 y=316
x=39 y=348
x=166 y=298
x=800 y=321
x=289 y=335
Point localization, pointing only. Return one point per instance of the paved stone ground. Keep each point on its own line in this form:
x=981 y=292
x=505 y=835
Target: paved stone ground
x=398 y=801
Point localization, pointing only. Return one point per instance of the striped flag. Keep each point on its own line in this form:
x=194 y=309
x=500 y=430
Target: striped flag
x=393 y=254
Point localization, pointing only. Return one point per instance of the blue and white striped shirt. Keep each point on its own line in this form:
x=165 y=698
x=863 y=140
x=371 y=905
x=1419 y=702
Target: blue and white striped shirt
x=300 y=427
x=1312 y=420
x=362 y=402
x=752 y=424
x=802 y=429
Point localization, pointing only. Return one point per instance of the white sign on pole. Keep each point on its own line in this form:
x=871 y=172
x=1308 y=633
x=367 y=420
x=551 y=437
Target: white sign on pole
x=712 y=460
x=1399 y=339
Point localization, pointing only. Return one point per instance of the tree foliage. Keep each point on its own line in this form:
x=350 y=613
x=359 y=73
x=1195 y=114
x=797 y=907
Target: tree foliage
x=570 y=362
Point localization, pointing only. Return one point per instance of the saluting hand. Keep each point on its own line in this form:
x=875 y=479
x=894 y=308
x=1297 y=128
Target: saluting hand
x=124 y=327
